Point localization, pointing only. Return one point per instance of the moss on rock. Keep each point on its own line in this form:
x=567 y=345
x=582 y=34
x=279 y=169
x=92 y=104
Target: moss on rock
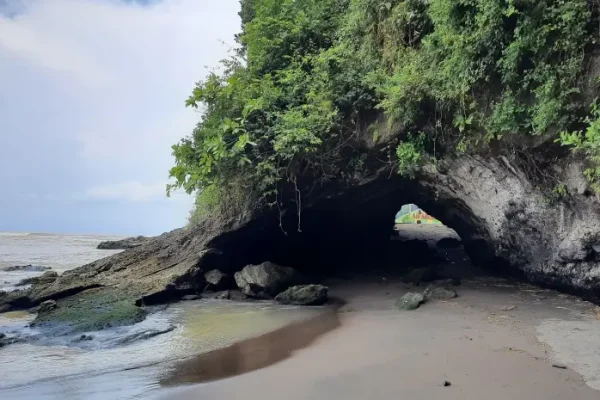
x=91 y=310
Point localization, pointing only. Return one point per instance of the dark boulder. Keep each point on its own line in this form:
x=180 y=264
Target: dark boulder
x=304 y=295
x=266 y=280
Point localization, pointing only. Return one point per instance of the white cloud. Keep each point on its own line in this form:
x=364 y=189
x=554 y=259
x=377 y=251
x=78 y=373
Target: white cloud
x=133 y=191
x=100 y=85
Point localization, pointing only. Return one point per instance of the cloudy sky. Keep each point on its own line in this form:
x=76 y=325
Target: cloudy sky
x=91 y=98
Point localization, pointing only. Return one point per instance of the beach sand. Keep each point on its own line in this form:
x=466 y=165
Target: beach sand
x=377 y=352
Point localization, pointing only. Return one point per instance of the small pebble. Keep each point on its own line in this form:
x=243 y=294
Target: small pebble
x=560 y=366
x=447 y=383
x=509 y=308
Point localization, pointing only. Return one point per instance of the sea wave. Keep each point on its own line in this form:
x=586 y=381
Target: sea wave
x=15 y=233
x=42 y=234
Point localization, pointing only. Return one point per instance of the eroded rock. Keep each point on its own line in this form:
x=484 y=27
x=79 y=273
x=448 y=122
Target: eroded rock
x=304 y=295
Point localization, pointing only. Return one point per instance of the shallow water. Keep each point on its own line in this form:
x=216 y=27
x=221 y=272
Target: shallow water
x=59 y=252
x=98 y=369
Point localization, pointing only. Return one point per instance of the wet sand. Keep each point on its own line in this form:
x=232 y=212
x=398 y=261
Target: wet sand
x=381 y=353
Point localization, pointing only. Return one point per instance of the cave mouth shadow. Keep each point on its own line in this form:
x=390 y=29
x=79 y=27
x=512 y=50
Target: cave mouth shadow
x=352 y=235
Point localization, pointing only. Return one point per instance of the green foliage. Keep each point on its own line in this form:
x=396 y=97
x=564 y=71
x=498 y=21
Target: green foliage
x=410 y=153
x=206 y=204
x=588 y=143
x=309 y=72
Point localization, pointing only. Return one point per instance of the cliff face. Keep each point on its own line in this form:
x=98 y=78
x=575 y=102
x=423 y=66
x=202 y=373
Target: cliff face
x=552 y=239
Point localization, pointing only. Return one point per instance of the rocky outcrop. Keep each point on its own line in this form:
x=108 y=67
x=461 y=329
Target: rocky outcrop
x=304 y=295
x=46 y=278
x=266 y=279
x=167 y=263
x=25 y=268
x=124 y=244
x=507 y=218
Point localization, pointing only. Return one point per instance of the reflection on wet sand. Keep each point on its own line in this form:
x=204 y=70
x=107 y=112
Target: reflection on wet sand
x=251 y=354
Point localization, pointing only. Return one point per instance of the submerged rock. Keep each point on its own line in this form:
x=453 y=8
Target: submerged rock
x=410 y=301
x=84 y=338
x=304 y=295
x=25 y=268
x=124 y=244
x=144 y=335
x=6 y=340
x=439 y=293
x=266 y=279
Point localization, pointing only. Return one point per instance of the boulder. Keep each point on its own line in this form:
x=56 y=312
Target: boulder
x=266 y=279
x=439 y=293
x=217 y=280
x=124 y=244
x=410 y=301
x=304 y=295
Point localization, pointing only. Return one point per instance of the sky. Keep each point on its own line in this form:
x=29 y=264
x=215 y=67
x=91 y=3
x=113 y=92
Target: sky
x=92 y=97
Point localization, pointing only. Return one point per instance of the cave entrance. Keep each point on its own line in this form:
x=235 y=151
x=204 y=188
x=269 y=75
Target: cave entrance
x=356 y=233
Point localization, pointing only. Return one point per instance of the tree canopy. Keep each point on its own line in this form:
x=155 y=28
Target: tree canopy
x=451 y=74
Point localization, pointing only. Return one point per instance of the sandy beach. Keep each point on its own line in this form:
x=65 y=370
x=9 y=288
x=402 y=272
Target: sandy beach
x=481 y=350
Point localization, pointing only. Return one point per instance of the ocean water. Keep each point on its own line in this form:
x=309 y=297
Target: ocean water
x=65 y=368
x=59 y=252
